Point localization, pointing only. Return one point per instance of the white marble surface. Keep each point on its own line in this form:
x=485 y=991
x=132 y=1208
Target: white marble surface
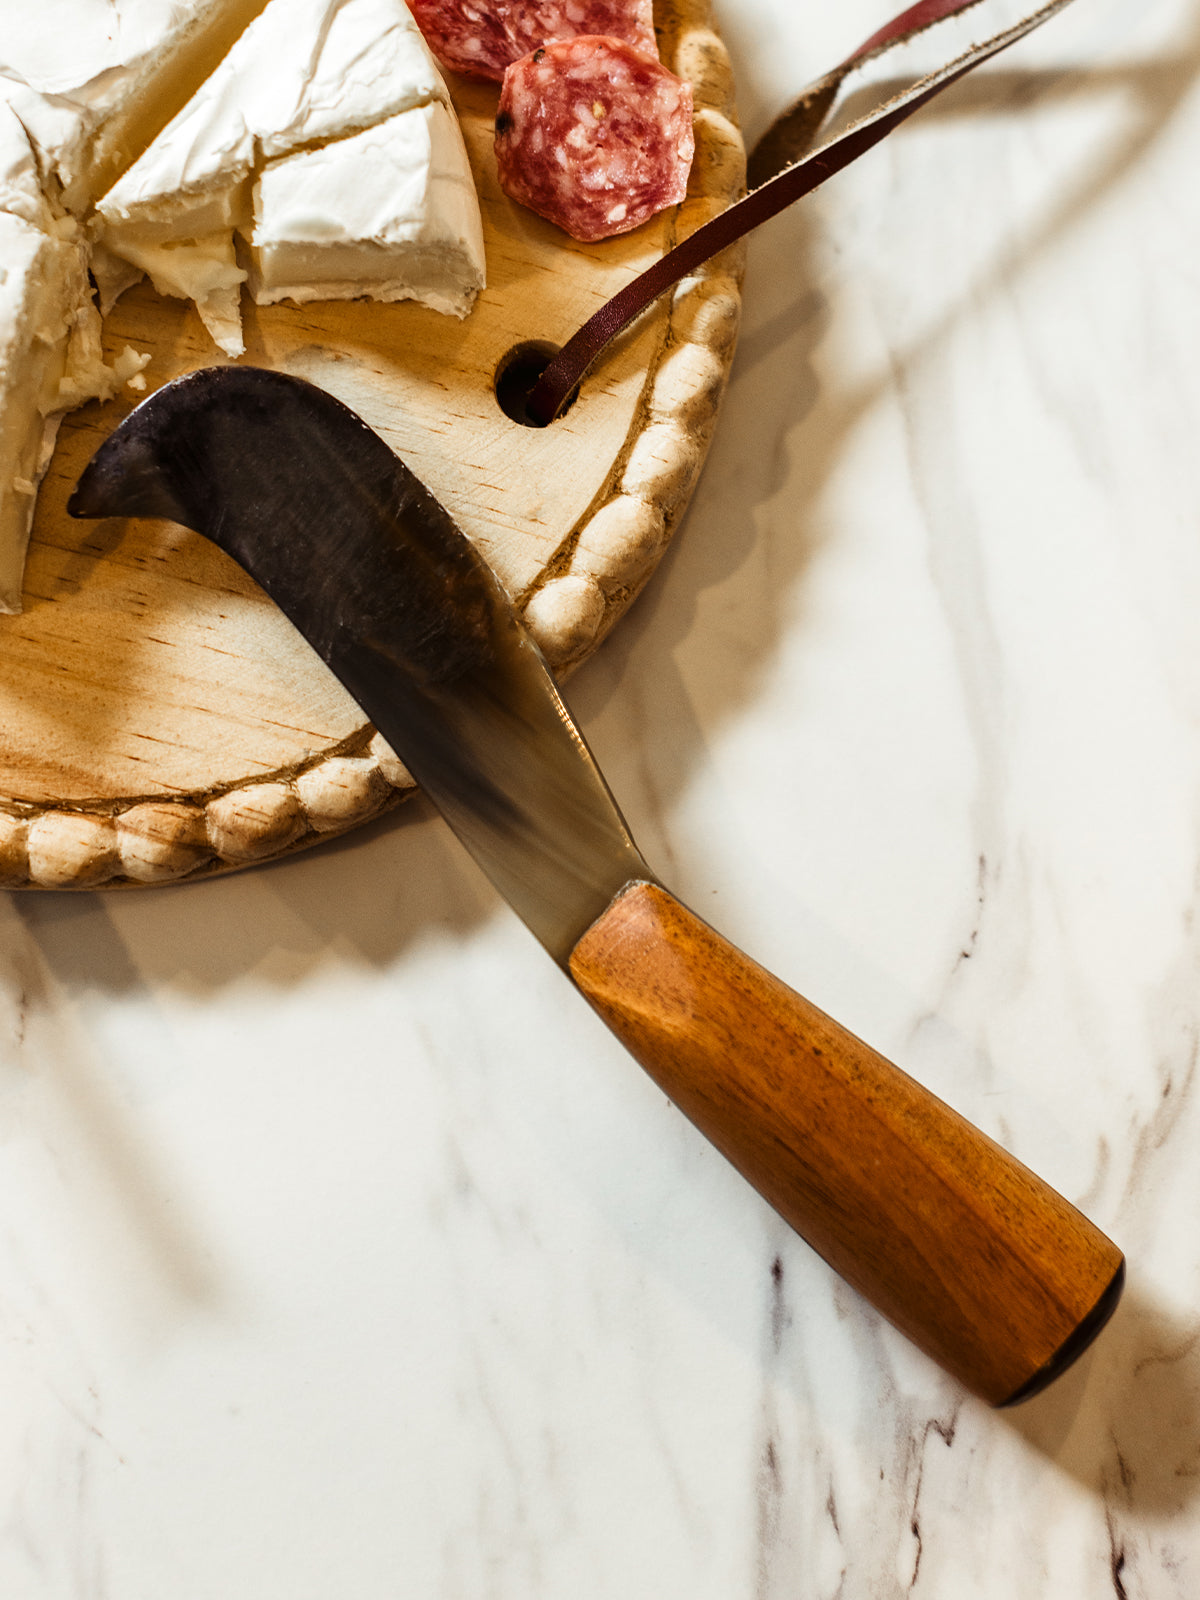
x=343 y=1256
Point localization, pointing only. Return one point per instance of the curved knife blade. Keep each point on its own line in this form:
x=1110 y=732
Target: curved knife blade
x=978 y=1260
x=393 y=596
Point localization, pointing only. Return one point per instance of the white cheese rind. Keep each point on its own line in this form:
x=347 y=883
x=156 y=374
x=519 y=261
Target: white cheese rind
x=390 y=213
x=84 y=84
x=74 y=49
x=50 y=355
x=324 y=137
x=313 y=97
x=20 y=186
x=305 y=71
x=93 y=81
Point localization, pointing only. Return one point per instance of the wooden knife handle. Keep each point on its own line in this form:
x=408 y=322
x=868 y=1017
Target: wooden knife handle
x=979 y=1262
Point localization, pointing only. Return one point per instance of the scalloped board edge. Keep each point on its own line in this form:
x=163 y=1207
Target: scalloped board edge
x=595 y=575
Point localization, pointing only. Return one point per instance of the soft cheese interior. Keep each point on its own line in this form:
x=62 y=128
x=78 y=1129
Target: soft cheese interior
x=326 y=142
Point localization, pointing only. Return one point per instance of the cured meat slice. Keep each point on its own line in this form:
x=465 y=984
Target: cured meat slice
x=594 y=136
x=465 y=35
x=550 y=21
x=483 y=37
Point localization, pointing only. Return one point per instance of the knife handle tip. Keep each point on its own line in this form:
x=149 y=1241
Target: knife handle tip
x=983 y=1265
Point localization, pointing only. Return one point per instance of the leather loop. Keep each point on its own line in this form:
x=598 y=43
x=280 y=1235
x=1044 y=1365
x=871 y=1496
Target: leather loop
x=781 y=171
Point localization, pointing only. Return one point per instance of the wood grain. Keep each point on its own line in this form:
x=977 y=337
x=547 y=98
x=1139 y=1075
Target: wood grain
x=147 y=670
x=979 y=1262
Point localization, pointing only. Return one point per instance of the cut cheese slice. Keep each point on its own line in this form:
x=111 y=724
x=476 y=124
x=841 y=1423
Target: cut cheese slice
x=85 y=85
x=94 y=81
x=317 y=132
x=305 y=71
x=200 y=267
x=306 y=77
x=390 y=213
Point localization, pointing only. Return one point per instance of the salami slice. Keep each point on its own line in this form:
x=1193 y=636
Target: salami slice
x=483 y=37
x=465 y=35
x=594 y=136
x=551 y=21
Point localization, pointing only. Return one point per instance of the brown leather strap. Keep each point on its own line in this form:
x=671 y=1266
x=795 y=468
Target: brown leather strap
x=915 y=20
x=777 y=189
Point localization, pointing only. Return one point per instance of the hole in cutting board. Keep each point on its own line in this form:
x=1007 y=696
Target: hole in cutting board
x=519 y=369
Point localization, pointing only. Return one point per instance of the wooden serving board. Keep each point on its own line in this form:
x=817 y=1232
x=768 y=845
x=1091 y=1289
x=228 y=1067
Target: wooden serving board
x=159 y=717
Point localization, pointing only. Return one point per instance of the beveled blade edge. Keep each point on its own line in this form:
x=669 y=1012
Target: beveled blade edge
x=374 y=573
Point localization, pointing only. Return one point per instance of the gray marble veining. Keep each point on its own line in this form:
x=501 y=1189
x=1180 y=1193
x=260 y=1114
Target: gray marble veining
x=343 y=1253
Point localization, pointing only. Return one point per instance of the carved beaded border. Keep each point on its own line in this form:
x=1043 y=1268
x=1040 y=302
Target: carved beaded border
x=598 y=570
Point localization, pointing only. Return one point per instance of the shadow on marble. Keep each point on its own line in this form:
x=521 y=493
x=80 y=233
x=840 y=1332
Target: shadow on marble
x=142 y=1244
x=1124 y=1422
x=202 y=936
x=1160 y=84
x=369 y=895
x=758 y=452
x=751 y=464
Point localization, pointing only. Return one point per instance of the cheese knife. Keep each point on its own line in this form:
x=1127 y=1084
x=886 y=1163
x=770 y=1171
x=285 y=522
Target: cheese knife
x=983 y=1265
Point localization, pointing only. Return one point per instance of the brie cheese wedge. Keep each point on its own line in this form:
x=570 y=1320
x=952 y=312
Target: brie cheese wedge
x=307 y=78
x=390 y=213
x=93 y=81
x=309 y=145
